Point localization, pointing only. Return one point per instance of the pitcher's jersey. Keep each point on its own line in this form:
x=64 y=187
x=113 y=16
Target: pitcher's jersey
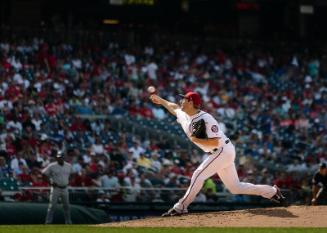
x=212 y=127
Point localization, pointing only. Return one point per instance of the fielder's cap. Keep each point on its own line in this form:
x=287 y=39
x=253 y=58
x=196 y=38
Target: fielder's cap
x=59 y=154
x=194 y=96
x=322 y=165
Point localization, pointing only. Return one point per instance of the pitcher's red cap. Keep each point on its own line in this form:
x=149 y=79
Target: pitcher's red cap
x=194 y=96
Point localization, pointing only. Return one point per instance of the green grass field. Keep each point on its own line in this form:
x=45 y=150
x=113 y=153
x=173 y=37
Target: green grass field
x=92 y=229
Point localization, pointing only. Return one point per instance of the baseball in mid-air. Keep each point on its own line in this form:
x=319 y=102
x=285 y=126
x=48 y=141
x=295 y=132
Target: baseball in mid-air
x=151 y=89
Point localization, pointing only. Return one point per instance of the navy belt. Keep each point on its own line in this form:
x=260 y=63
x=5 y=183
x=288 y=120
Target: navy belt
x=214 y=150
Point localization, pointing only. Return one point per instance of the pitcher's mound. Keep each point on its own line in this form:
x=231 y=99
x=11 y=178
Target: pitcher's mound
x=293 y=216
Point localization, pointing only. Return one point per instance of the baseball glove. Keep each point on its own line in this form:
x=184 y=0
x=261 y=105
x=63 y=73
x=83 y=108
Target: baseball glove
x=199 y=129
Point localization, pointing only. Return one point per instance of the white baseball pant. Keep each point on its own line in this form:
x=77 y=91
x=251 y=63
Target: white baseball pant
x=222 y=163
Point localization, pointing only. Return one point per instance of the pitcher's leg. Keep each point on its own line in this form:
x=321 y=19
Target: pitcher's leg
x=54 y=194
x=230 y=179
x=207 y=168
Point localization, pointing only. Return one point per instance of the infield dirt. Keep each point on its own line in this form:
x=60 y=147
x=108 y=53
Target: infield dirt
x=293 y=216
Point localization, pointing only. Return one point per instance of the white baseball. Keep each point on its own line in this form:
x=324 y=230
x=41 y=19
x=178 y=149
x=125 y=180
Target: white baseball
x=151 y=89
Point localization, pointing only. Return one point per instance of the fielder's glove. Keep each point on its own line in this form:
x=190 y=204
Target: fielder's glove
x=199 y=129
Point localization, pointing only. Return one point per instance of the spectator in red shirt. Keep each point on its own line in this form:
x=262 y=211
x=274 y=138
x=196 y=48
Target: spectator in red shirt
x=24 y=177
x=82 y=180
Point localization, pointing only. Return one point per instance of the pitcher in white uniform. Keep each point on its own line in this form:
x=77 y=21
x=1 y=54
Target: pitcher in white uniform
x=221 y=153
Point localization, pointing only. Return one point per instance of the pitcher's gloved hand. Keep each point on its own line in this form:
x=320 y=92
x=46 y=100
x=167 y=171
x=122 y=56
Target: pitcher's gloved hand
x=199 y=129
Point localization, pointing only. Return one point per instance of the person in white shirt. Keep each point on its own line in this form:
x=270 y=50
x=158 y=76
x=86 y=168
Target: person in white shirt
x=152 y=69
x=37 y=121
x=14 y=163
x=221 y=153
x=98 y=147
x=109 y=181
x=136 y=149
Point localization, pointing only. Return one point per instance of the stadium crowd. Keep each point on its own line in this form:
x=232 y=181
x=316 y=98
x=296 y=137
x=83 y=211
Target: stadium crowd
x=271 y=102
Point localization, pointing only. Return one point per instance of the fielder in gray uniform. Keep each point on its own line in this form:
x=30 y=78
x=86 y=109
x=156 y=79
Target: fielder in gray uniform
x=58 y=174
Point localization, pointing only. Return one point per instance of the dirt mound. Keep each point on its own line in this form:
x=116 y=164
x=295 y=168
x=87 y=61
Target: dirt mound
x=293 y=216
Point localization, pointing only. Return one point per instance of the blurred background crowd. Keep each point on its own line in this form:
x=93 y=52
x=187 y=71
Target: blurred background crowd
x=270 y=101
x=73 y=77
